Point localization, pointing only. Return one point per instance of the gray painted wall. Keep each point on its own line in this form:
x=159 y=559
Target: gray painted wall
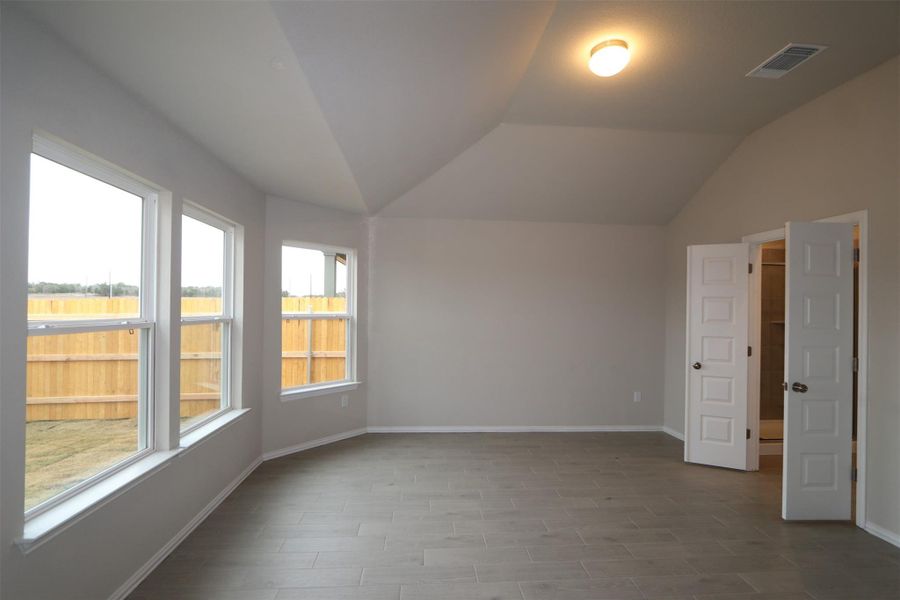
x=287 y=424
x=515 y=323
x=835 y=155
x=46 y=86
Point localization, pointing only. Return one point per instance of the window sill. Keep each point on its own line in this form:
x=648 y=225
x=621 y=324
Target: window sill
x=320 y=390
x=196 y=436
x=49 y=524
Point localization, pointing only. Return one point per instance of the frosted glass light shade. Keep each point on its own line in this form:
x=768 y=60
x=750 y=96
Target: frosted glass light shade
x=609 y=58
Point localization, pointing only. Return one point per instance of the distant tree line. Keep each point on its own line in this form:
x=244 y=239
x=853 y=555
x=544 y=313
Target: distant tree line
x=118 y=290
x=96 y=289
x=287 y=294
x=208 y=291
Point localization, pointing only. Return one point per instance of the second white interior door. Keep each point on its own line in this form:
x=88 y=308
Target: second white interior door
x=818 y=415
x=716 y=413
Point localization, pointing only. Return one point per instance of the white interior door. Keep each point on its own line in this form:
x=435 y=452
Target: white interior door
x=818 y=401
x=717 y=324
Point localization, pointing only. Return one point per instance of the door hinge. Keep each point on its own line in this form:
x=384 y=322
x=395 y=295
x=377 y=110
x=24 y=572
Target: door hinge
x=856 y=364
x=856 y=255
x=749 y=350
x=748 y=433
x=854 y=474
x=750 y=268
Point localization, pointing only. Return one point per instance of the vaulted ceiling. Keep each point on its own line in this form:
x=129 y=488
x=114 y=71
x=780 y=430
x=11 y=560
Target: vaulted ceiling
x=473 y=109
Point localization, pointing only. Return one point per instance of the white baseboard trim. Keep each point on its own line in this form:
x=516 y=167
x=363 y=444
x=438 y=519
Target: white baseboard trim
x=510 y=428
x=675 y=434
x=135 y=580
x=885 y=534
x=330 y=439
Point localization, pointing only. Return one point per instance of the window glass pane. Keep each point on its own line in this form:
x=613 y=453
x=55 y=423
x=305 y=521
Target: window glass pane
x=313 y=351
x=83 y=413
x=313 y=281
x=202 y=267
x=201 y=371
x=84 y=246
x=329 y=343
x=294 y=352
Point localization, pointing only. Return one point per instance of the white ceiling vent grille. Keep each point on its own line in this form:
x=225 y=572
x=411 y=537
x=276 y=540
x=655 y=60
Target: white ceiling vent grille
x=788 y=58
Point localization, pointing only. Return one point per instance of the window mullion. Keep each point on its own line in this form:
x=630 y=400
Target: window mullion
x=145 y=390
x=148 y=301
x=228 y=276
x=225 y=369
x=348 y=339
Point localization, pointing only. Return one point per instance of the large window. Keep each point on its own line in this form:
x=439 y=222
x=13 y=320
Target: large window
x=206 y=316
x=317 y=316
x=91 y=319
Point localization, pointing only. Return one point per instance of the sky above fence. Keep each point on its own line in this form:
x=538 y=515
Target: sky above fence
x=81 y=230
x=84 y=231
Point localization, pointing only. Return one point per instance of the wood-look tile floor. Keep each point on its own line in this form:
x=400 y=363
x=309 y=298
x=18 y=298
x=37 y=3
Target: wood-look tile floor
x=576 y=516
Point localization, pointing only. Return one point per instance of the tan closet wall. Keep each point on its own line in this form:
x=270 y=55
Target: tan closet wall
x=771 y=405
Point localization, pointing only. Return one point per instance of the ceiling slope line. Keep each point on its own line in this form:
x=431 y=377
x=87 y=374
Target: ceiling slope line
x=499 y=120
x=318 y=107
x=381 y=210
x=406 y=87
x=569 y=174
x=713 y=169
x=531 y=55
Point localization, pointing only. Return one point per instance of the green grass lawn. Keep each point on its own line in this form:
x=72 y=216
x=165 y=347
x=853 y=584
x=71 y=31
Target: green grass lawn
x=59 y=454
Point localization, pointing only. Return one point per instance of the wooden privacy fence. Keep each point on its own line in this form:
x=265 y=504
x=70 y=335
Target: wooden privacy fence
x=95 y=375
x=312 y=350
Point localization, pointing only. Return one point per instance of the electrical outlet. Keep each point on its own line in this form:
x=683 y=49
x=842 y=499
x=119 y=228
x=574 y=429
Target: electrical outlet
x=637 y=397
x=345 y=401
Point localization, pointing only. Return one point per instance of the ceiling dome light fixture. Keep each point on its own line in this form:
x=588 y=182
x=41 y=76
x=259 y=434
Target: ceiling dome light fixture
x=609 y=57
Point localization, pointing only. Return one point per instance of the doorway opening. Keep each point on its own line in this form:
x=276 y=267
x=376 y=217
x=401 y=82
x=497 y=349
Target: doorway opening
x=771 y=351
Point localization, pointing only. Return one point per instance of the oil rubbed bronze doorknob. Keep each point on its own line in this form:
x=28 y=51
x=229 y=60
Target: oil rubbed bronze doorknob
x=696 y=366
x=800 y=388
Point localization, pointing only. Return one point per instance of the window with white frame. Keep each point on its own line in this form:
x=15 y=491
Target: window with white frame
x=317 y=316
x=91 y=323
x=207 y=301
